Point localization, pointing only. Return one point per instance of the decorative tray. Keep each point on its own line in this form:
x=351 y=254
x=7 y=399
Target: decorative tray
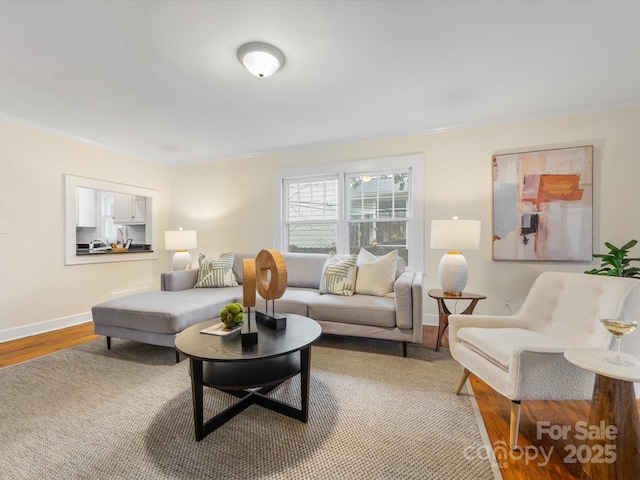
x=221 y=330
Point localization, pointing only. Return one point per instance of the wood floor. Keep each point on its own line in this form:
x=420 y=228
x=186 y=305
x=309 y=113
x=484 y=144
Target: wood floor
x=529 y=463
x=17 y=351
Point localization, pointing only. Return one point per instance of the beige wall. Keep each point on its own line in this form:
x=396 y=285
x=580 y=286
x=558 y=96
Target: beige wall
x=230 y=205
x=230 y=202
x=38 y=290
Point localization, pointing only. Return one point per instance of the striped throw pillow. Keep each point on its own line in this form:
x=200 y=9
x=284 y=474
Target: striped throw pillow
x=216 y=273
x=339 y=276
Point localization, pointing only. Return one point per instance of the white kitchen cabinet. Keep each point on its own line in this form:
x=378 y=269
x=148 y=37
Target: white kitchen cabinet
x=86 y=213
x=128 y=209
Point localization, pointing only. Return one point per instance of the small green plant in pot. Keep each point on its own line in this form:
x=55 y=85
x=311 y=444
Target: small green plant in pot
x=615 y=263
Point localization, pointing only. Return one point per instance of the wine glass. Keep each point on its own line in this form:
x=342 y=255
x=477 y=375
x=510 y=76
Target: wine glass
x=618 y=328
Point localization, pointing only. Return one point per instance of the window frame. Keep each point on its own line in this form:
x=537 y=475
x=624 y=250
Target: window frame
x=413 y=163
x=285 y=221
x=71 y=205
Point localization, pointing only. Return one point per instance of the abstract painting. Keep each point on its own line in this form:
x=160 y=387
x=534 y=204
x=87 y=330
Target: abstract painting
x=543 y=205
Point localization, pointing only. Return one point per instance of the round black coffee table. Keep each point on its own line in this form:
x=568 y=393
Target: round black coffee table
x=223 y=363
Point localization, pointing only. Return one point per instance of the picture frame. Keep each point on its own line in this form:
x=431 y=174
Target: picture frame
x=543 y=205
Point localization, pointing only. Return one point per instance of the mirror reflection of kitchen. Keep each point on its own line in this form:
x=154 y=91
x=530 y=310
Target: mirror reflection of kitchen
x=111 y=222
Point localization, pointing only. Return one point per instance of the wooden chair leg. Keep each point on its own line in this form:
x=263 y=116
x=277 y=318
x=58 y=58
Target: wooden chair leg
x=108 y=343
x=404 y=349
x=514 y=425
x=177 y=356
x=463 y=379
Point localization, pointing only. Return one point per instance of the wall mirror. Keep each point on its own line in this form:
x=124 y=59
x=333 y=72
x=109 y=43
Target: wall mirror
x=108 y=222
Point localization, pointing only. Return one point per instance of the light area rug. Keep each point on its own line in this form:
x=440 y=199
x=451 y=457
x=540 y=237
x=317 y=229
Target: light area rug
x=126 y=413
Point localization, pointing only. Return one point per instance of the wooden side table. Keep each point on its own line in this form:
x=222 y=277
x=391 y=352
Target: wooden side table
x=443 y=311
x=613 y=405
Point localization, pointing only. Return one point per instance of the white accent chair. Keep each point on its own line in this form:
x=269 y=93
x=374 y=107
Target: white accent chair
x=521 y=355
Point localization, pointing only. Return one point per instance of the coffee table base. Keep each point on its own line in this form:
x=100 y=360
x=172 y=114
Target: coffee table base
x=236 y=378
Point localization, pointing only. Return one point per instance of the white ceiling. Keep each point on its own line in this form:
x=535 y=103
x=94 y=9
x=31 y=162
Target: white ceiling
x=161 y=79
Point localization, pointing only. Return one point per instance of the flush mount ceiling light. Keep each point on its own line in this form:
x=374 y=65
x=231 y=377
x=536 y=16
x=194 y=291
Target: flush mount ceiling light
x=261 y=59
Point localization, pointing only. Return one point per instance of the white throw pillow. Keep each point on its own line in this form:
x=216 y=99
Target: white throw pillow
x=216 y=273
x=376 y=276
x=339 y=277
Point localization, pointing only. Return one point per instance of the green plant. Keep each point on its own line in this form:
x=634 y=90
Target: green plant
x=615 y=263
x=232 y=315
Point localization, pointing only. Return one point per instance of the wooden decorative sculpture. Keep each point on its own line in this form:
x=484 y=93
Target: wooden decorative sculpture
x=271 y=274
x=249 y=334
x=249 y=282
x=271 y=286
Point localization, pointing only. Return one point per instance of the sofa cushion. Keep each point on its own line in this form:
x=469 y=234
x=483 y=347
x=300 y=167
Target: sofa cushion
x=214 y=273
x=238 y=265
x=358 y=309
x=294 y=300
x=498 y=344
x=339 y=276
x=304 y=269
x=164 y=311
x=376 y=275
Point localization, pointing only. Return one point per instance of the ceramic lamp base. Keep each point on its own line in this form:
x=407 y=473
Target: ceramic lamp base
x=181 y=260
x=453 y=273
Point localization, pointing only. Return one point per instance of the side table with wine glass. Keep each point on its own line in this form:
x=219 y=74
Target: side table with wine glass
x=614 y=444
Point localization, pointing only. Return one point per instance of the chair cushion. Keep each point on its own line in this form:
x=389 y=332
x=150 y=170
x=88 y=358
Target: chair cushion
x=499 y=344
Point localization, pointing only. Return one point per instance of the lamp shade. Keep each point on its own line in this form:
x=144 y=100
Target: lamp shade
x=455 y=234
x=180 y=239
x=261 y=59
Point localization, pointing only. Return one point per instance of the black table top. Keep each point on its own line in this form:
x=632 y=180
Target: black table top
x=300 y=333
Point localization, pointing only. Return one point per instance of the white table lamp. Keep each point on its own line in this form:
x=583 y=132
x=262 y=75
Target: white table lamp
x=180 y=240
x=454 y=235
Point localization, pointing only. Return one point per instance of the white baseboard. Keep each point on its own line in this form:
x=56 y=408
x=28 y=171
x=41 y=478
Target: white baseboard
x=46 y=326
x=23 y=331
x=430 y=319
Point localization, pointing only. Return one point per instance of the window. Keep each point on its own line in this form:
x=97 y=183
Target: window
x=379 y=212
x=101 y=228
x=311 y=214
x=108 y=230
x=371 y=204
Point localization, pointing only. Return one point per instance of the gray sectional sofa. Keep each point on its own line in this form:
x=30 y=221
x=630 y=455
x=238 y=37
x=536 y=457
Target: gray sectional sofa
x=157 y=317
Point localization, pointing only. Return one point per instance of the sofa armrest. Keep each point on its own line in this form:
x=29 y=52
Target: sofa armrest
x=179 y=280
x=408 y=303
x=416 y=295
x=403 y=300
